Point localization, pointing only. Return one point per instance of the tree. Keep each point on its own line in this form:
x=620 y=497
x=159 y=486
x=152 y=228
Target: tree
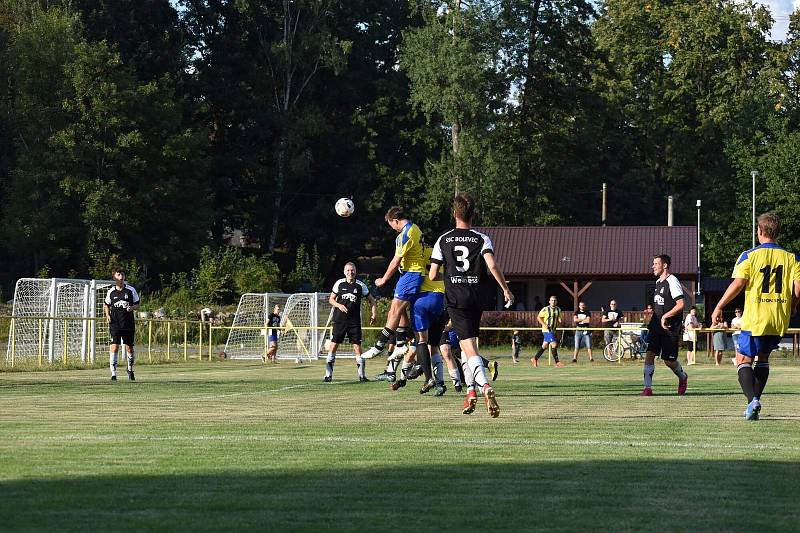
x=683 y=78
x=38 y=222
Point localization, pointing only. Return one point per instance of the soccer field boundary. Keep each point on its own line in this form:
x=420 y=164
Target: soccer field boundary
x=461 y=441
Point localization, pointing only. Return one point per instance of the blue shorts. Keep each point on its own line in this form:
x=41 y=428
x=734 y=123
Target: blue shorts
x=273 y=338
x=549 y=337
x=408 y=286
x=453 y=338
x=752 y=346
x=426 y=310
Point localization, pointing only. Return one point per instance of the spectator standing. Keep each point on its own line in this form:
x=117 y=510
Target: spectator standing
x=719 y=339
x=736 y=326
x=690 y=326
x=611 y=319
x=583 y=337
x=647 y=317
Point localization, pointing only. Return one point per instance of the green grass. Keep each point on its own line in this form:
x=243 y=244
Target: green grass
x=213 y=446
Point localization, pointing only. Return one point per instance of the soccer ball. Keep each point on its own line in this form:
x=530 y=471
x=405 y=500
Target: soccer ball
x=345 y=207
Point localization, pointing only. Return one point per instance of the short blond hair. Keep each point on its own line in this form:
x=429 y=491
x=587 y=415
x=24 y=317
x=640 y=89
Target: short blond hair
x=770 y=225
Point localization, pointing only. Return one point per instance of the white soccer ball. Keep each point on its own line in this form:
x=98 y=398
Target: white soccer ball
x=345 y=207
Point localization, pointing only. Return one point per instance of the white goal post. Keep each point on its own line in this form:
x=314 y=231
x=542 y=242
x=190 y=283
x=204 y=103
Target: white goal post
x=304 y=319
x=37 y=330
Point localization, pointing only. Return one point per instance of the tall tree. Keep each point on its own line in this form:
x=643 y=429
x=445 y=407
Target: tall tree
x=685 y=78
x=38 y=221
x=453 y=63
x=555 y=116
x=281 y=48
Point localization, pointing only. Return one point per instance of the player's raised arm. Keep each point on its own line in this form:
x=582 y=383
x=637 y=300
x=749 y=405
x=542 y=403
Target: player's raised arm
x=390 y=270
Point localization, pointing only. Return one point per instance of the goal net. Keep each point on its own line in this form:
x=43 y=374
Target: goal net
x=42 y=311
x=248 y=337
x=303 y=319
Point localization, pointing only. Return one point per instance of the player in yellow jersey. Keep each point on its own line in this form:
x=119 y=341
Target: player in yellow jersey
x=770 y=277
x=410 y=261
x=550 y=318
x=427 y=321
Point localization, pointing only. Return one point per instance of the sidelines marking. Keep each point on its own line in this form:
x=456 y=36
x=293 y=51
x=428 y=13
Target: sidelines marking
x=413 y=440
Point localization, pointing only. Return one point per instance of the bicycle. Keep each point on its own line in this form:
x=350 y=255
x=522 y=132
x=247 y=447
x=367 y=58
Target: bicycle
x=628 y=342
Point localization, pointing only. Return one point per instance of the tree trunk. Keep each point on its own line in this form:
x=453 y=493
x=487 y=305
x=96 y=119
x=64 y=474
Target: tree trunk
x=456 y=140
x=527 y=122
x=278 y=194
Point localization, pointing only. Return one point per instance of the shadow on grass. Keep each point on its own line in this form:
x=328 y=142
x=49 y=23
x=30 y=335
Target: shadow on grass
x=568 y=496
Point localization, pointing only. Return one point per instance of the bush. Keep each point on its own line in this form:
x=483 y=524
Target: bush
x=257 y=274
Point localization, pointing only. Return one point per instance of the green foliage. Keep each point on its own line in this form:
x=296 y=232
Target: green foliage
x=225 y=273
x=134 y=272
x=306 y=276
x=256 y=116
x=257 y=274
x=214 y=276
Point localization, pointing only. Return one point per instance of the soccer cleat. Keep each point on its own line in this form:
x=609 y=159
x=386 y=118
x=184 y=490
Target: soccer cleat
x=682 y=384
x=458 y=387
x=386 y=376
x=363 y=379
x=399 y=352
x=440 y=389
x=753 y=408
x=559 y=365
x=113 y=378
x=397 y=385
x=131 y=376
x=372 y=352
x=493 y=370
x=427 y=386
x=470 y=401
x=534 y=362
x=647 y=391
x=327 y=379
x=415 y=372
x=574 y=360
x=491 y=401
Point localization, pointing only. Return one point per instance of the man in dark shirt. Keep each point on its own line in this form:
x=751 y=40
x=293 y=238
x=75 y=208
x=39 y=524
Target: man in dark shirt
x=346 y=299
x=467 y=258
x=665 y=326
x=120 y=303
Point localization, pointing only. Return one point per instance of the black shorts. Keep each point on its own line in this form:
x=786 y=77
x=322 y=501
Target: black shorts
x=120 y=335
x=663 y=343
x=466 y=322
x=340 y=329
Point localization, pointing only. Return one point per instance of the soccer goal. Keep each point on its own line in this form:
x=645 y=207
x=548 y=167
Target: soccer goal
x=41 y=311
x=248 y=336
x=303 y=319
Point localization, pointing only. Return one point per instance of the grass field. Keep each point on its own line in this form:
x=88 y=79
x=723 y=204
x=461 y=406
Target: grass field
x=212 y=446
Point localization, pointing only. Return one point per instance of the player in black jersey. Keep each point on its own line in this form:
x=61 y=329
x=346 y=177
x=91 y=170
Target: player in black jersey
x=467 y=257
x=664 y=329
x=120 y=303
x=346 y=301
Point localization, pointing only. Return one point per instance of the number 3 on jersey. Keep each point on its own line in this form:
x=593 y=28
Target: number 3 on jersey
x=461 y=253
